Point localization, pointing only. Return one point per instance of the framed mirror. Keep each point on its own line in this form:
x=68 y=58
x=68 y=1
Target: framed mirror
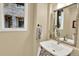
x=65 y=22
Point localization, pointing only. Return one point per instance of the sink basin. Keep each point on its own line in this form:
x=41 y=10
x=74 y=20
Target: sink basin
x=56 y=49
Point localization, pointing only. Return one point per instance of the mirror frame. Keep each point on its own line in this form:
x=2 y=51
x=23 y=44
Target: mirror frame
x=75 y=23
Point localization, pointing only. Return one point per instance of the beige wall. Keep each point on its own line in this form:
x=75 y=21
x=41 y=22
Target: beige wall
x=18 y=43
x=41 y=17
x=51 y=19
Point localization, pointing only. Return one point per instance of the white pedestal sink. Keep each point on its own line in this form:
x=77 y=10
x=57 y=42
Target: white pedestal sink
x=56 y=49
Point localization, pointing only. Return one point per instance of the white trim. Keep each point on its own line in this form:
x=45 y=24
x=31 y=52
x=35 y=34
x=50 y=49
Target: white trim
x=26 y=16
x=16 y=29
x=13 y=29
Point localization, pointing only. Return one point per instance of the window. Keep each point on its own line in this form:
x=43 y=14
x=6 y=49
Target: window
x=20 y=22
x=13 y=17
x=8 y=21
x=20 y=4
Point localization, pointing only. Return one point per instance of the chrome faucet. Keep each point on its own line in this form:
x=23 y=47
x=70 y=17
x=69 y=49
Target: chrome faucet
x=65 y=37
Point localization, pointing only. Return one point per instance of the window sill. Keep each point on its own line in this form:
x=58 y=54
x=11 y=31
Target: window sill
x=12 y=29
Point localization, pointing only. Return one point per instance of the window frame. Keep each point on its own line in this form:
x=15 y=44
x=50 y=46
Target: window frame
x=16 y=29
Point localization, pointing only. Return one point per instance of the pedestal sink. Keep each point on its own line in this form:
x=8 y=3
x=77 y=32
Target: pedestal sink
x=56 y=49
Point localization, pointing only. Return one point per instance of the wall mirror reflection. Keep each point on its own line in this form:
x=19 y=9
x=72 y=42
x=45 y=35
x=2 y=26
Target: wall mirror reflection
x=63 y=24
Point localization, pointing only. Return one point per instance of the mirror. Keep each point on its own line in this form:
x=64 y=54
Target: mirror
x=60 y=19
x=65 y=22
